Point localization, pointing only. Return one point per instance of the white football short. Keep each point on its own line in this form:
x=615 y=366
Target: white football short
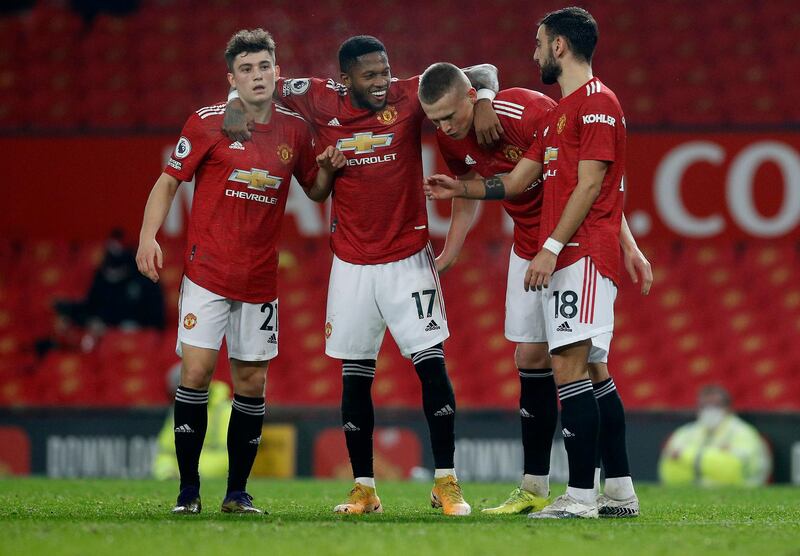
x=579 y=305
x=363 y=300
x=250 y=329
x=525 y=322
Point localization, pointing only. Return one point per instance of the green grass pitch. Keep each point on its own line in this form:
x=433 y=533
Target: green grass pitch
x=54 y=517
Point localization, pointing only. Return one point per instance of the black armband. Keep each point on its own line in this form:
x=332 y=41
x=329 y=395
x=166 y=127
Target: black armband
x=494 y=188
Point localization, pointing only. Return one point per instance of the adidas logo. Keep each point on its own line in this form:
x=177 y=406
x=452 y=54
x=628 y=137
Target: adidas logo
x=255 y=441
x=567 y=434
x=272 y=340
x=184 y=428
x=524 y=413
x=564 y=327
x=469 y=160
x=334 y=122
x=350 y=427
x=236 y=145
x=446 y=410
x=432 y=326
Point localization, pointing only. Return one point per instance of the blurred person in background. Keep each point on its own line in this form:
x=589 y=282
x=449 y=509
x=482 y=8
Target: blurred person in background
x=214 y=458
x=718 y=449
x=118 y=297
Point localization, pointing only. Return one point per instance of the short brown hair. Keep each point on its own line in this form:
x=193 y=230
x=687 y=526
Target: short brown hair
x=438 y=80
x=248 y=40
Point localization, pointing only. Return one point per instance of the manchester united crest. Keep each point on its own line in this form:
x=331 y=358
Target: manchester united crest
x=328 y=329
x=388 y=115
x=512 y=153
x=285 y=153
x=189 y=321
x=562 y=121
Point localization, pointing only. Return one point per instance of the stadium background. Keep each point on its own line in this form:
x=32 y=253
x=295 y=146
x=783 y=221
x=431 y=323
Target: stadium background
x=93 y=95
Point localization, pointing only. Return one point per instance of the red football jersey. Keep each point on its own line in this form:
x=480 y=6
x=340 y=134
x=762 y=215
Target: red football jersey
x=586 y=125
x=378 y=212
x=521 y=112
x=239 y=199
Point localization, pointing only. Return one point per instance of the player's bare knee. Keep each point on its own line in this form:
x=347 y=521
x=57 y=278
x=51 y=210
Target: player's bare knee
x=196 y=375
x=570 y=362
x=249 y=378
x=598 y=372
x=532 y=356
x=253 y=387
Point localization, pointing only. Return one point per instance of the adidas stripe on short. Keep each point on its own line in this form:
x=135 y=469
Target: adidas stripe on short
x=579 y=305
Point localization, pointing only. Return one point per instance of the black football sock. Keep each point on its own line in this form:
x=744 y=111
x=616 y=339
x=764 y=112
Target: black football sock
x=580 y=423
x=358 y=414
x=613 y=448
x=438 y=403
x=538 y=409
x=244 y=436
x=191 y=420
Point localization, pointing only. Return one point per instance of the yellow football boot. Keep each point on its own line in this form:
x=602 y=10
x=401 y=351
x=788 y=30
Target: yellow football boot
x=446 y=494
x=520 y=501
x=361 y=500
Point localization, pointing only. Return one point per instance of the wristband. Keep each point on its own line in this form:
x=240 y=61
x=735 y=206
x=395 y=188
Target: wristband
x=495 y=188
x=233 y=94
x=486 y=94
x=553 y=245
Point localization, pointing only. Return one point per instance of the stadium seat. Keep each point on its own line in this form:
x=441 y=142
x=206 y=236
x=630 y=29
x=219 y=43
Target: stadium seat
x=65 y=378
x=639 y=37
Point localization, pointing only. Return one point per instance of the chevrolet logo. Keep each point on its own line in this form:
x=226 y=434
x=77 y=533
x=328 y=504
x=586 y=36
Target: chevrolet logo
x=550 y=154
x=366 y=142
x=256 y=179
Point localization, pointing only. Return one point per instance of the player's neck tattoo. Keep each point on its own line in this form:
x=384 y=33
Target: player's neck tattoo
x=495 y=189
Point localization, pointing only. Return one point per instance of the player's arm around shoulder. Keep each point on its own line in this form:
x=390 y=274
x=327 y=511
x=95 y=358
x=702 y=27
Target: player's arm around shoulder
x=235 y=123
x=484 y=78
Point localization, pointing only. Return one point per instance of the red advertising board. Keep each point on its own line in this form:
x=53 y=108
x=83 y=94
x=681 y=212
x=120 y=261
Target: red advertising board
x=708 y=186
x=694 y=186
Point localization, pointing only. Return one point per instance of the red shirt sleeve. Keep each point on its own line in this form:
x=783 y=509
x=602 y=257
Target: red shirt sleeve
x=534 y=115
x=410 y=87
x=195 y=142
x=536 y=151
x=301 y=94
x=598 y=119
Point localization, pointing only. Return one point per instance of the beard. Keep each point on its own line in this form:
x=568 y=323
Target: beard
x=365 y=100
x=550 y=71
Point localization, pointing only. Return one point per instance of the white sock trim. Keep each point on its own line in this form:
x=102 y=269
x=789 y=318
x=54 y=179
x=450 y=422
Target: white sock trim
x=619 y=488
x=597 y=481
x=583 y=495
x=539 y=485
x=440 y=473
x=366 y=481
